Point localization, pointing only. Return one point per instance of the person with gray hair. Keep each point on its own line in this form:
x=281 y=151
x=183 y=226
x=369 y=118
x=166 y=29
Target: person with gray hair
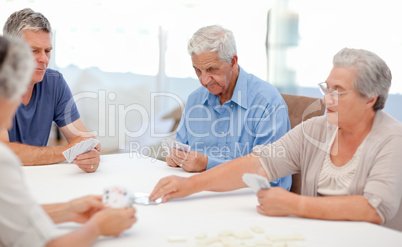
x=349 y=159
x=48 y=99
x=24 y=222
x=231 y=112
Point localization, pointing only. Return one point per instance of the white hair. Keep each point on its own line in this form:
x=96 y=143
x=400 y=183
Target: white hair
x=25 y=19
x=16 y=67
x=373 y=76
x=211 y=39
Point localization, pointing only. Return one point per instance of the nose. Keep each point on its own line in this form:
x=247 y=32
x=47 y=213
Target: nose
x=205 y=79
x=328 y=99
x=42 y=57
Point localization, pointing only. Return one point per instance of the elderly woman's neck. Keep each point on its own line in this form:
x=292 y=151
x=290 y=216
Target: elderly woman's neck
x=359 y=128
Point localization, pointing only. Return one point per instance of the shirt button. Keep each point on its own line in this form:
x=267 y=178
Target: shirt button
x=220 y=156
x=231 y=105
x=223 y=133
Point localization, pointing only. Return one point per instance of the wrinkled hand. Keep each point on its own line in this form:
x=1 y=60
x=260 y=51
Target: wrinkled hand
x=276 y=202
x=112 y=221
x=172 y=187
x=190 y=162
x=89 y=161
x=82 y=209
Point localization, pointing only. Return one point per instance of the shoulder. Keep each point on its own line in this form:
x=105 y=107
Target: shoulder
x=262 y=91
x=316 y=128
x=52 y=74
x=53 y=81
x=386 y=125
x=54 y=77
x=198 y=96
x=386 y=131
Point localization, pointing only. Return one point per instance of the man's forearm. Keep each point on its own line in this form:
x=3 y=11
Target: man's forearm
x=32 y=155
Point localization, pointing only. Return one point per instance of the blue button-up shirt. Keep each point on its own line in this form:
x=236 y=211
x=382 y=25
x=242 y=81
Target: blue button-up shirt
x=256 y=114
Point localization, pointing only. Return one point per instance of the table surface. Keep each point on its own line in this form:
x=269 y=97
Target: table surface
x=206 y=212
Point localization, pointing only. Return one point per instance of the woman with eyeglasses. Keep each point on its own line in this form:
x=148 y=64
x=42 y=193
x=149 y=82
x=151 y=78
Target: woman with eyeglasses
x=23 y=222
x=349 y=159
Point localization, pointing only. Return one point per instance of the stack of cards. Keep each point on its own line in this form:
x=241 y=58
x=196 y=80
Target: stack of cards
x=256 y=182
x=169 y=144
x=80 y=148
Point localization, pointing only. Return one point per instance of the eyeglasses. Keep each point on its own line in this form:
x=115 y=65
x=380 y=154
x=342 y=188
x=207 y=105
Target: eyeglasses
x=333 y=92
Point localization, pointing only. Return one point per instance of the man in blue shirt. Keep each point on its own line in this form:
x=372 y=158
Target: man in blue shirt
x=47 y=99
x=231 y=113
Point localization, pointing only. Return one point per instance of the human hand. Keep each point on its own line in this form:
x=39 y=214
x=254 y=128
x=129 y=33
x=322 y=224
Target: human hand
x=112 y=221
x=98 y=147
x=277 y=202
x=80 y=210
x=172 y=187
x=89 y=161
x=191 y=162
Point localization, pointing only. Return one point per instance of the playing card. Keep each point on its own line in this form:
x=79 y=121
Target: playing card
x=256 y=182
x=80 y=148
x=117 y=197
x=169 y=144
x=143 y=199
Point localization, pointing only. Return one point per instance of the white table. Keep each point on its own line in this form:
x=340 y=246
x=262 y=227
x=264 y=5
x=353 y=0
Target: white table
x=207 y=212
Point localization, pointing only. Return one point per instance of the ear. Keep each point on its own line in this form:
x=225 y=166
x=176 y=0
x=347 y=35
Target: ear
x=234 y=61
x=371 y=101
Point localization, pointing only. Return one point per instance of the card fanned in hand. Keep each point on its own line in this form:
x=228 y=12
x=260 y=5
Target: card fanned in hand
x=80 y=148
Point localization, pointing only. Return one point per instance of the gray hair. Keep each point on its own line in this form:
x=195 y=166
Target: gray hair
x=211 y=39
x=373 y=76
x=16 y=67
x=25 y=19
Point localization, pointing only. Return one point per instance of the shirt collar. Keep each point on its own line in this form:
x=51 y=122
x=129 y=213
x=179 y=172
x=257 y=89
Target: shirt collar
x=239 y=94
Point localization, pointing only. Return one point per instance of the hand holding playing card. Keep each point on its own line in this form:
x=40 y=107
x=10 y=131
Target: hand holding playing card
x=256 y=182
x=80 y=148
x=117 y=197
x=169 y=144
x=84 y=153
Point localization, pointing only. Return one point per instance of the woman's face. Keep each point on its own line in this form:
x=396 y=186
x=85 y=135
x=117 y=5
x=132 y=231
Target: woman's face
x=348 y=108
x=7 y=109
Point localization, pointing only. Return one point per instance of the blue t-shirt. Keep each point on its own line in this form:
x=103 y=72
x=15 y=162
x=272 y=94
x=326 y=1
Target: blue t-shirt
x=51 y=100
x=256 y=114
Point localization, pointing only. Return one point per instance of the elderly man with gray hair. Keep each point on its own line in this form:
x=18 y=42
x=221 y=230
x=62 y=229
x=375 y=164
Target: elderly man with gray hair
x=231 y=112
x=47 y=99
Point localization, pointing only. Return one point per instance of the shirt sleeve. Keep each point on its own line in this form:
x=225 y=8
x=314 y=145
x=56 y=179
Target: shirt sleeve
x=181 y=135
x=66 y=110
x=282 y=157
x=23 y=222
x=384 y=182
x=273 y=124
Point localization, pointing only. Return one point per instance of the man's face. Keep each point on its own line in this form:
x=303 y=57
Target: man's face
x=213 y=73
x=41 y=45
